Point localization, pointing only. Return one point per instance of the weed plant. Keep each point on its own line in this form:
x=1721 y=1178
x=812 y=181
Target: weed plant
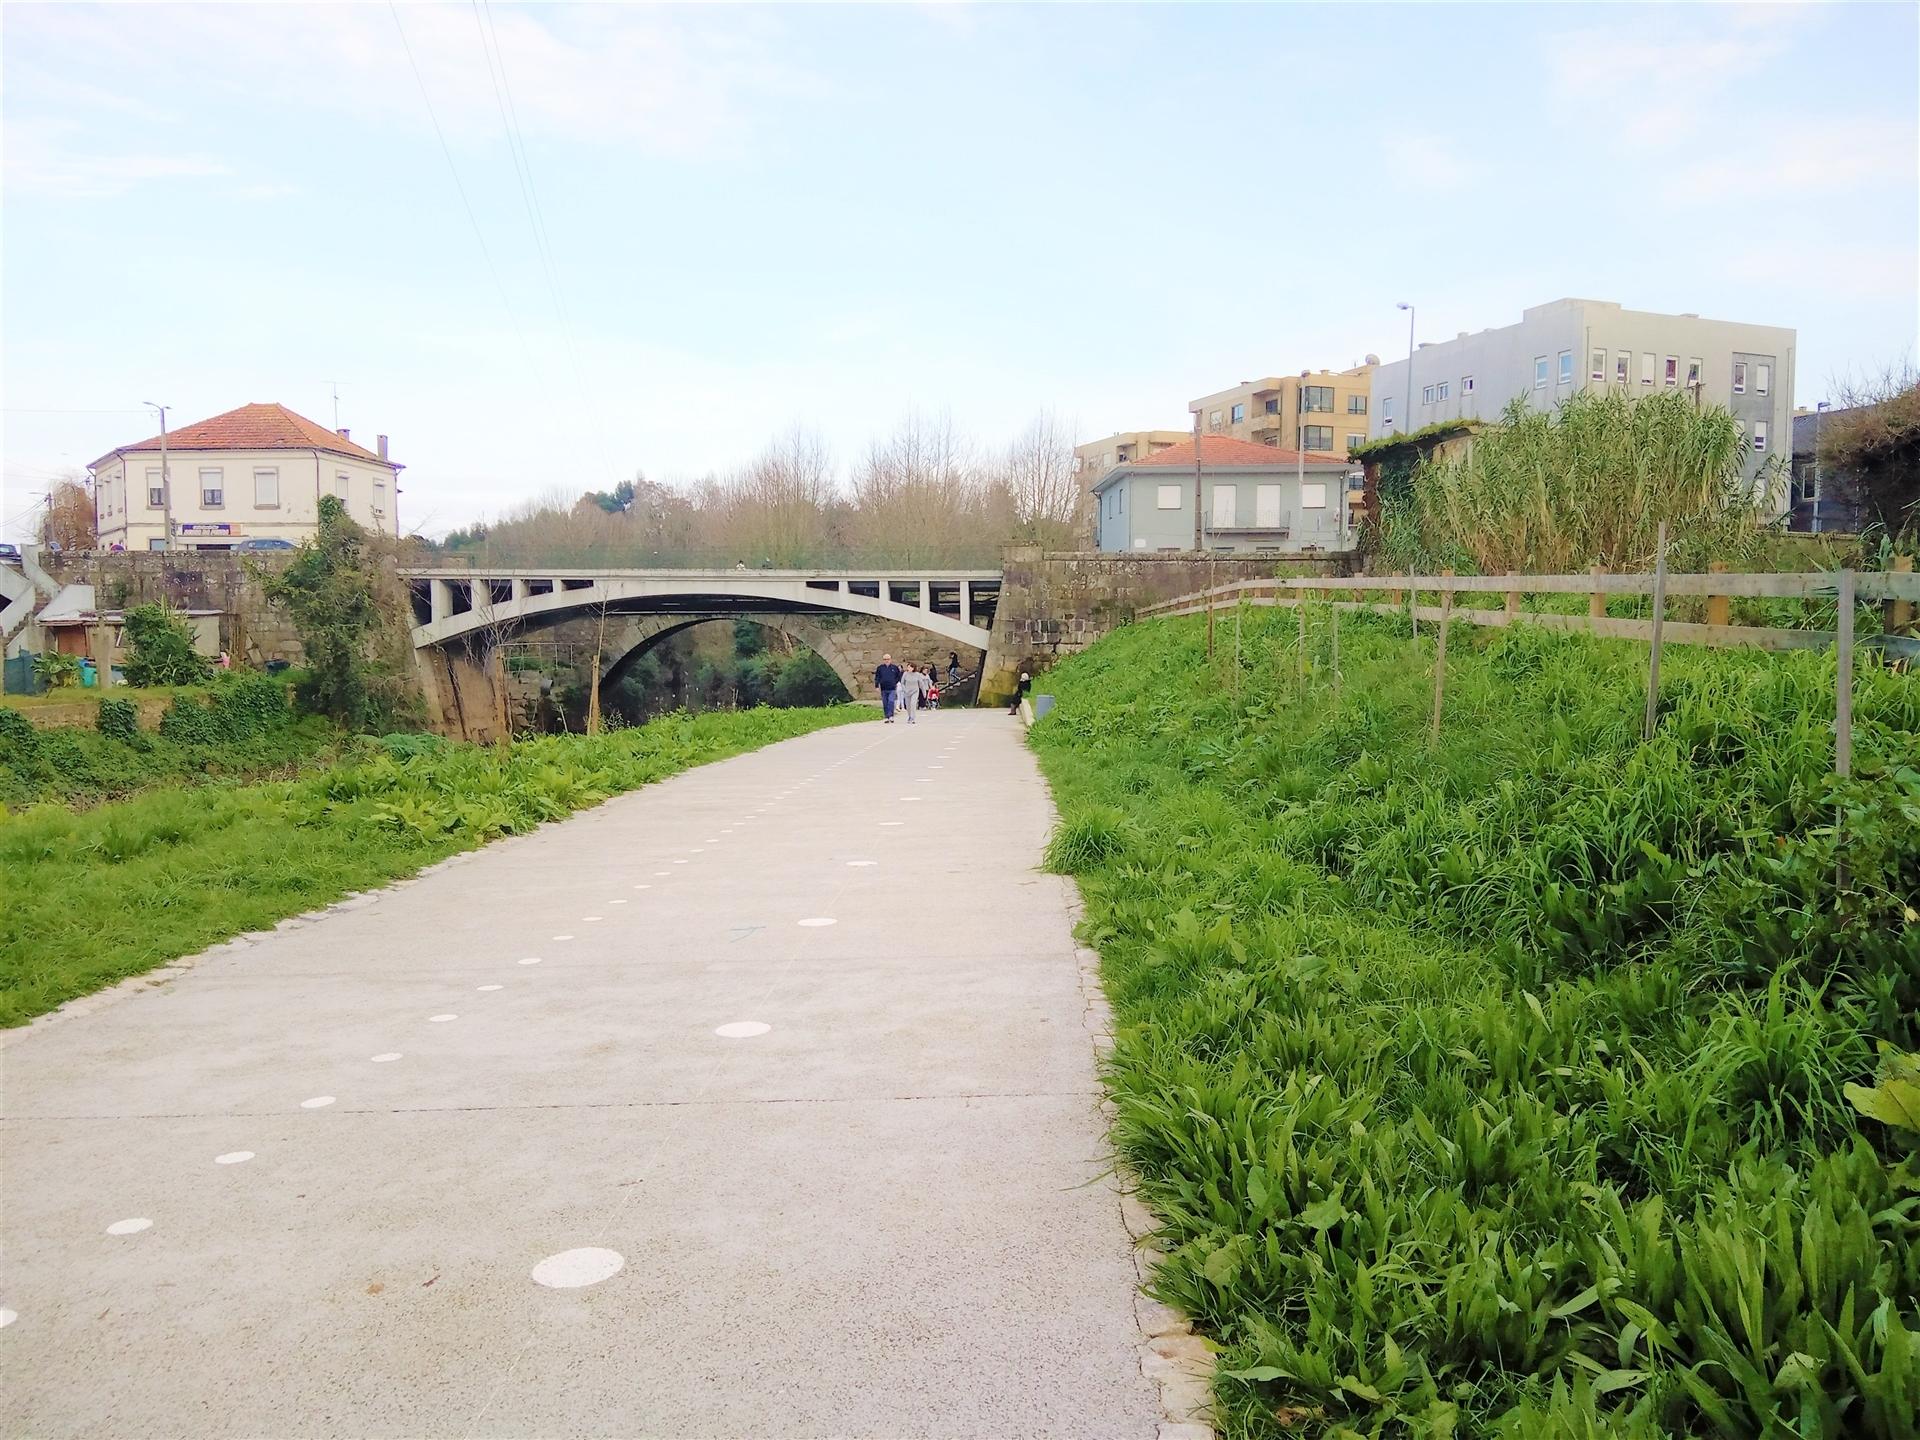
x=96 y=896
x=1498 y=1087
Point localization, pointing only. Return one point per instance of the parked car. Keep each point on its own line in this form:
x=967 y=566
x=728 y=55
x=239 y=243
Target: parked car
x=9 y=554
x=261 y=542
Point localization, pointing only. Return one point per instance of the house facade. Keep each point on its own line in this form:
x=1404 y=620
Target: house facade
x=1257 y=500
x=1821 y=500
x=1566 y=346
x=257 y=472
x=1324 y=412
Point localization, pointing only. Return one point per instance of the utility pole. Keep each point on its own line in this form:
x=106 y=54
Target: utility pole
x=166 y=479
x=1300 y=441
x=1407 y=423
x=1199 y=496
x=1818 y=410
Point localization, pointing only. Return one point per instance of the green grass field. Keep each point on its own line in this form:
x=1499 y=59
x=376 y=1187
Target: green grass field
x=95 y=896
x=1498 y=1088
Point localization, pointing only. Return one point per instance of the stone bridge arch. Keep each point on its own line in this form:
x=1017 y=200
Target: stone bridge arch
x=634 y=635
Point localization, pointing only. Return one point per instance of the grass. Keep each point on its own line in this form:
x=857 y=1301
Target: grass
x=1497 y=1087
x=96 y=896
x=88 y=695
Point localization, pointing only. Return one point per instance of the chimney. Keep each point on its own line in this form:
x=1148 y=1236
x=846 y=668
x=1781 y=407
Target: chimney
x=344 y=433
x=380 y=444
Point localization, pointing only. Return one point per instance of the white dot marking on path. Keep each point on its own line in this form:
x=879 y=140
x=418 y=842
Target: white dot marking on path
x=863 y=862
x=387 y=1058
x=563 y=937
x=589 y=919
x=487 y=989
x=318 y=1102
x=571 y=1269
x=441 y=1019
x=129 y=1227
x=909 y=797
x=815 y=922
x=742 y=1029
x=233 y=1157
x=893 y=822
x=660 y=874
x=679 y=862
x=531 y=960
x=7 y=1317
x=621 y=901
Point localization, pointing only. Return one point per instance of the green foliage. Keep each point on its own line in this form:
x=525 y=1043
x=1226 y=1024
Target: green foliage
x=1501 y=1087
x=101 y=894
x=19 y=738
x=118 y=720
x=1587 y=483
x=350 y=616
x=55 y=670
x=160 y=649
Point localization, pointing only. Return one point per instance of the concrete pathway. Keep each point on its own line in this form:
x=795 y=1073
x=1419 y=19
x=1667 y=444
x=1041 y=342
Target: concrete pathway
x=794 y=1041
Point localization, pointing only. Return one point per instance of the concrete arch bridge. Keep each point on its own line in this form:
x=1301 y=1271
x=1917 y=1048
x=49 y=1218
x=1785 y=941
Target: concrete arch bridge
x=466 y=620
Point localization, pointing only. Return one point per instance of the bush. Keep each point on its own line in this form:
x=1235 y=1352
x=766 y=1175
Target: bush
x=160 y=649
x=118 y=720
x=19 y=738
x=55 y=670
x=189 y=722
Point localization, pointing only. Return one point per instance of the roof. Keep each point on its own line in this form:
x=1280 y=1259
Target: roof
x=254 y=427
x=1225 y=450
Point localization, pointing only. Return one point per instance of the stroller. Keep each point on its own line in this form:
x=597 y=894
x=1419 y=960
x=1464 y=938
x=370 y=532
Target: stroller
x=933 y=696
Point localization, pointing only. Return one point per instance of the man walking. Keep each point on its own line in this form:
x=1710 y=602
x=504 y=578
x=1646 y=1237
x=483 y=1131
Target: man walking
x=887 y=678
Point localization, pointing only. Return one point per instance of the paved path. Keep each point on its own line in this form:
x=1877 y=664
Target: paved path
x=870 y=1216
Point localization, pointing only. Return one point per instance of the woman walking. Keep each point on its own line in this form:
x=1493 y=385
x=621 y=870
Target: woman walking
x=913 y=689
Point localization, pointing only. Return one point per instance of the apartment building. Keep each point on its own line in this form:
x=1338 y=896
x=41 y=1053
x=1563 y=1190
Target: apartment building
x=1096 y=457
x=1570 y=345
x=255 y=473
x=1324 y=412
x=1259 y=500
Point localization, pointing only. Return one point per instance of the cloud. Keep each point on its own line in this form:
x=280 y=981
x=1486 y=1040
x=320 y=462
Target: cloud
x=1854 y=271
x=668 y=80
x=42 y=160
x=1813 y=157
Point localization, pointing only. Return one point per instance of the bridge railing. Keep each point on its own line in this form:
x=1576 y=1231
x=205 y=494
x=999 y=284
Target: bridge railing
x=641 y=556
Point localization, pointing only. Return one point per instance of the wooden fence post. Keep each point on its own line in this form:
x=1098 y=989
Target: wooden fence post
x=1336 y=652
x=1513 y=597
x=1597 y=601
x=1440 y=661
x=1393 y=596
x=1843 y=712
x=1719 y=608
x=1209 y=595
x=1899 y=613
x=1300 y=661
x=1659 y=617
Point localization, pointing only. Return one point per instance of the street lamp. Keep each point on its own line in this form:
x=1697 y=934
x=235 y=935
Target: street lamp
x=1406 y=306
x=166 y=480
x=1818 y=410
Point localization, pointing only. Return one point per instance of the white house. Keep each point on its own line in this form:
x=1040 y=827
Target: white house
x=253 y=473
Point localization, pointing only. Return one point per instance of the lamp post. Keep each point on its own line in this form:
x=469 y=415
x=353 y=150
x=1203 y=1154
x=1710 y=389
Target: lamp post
x=1300 y=443
x=166 y=479
x=1818 y=410
x=1406 y=306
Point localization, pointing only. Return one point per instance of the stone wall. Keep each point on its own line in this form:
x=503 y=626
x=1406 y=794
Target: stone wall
x=1055 y=603
x=252 y=630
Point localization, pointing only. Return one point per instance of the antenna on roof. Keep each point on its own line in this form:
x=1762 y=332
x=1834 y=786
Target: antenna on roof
x=336 y=405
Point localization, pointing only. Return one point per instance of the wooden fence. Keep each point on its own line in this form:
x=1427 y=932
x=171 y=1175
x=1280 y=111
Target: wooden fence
x=1897 y=590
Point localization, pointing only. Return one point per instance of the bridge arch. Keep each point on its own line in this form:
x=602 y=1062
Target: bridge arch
x=637 y=634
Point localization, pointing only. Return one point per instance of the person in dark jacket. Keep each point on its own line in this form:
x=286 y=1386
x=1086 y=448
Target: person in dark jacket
x=1019 y=693
x=887 y=678
x=953 y=667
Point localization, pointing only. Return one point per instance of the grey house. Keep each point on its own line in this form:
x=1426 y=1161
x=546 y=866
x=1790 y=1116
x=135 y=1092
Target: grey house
x=1259 y=500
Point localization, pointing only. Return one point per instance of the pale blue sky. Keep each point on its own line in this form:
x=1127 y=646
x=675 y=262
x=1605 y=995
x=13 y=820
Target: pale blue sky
x=829 y=215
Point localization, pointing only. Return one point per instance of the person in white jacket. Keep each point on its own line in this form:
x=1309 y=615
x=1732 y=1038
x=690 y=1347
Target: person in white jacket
x=913 y=689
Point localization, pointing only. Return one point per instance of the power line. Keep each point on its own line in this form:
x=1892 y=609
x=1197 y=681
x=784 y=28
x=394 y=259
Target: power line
x=536 y=215
x=472 y=219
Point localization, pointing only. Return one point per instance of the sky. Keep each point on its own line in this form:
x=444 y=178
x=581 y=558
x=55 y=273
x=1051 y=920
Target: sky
x=546 y=247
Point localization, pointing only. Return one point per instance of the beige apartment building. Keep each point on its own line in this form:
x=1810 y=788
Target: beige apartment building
x=255 y=474
x=1097 y=457
x=1323 y=412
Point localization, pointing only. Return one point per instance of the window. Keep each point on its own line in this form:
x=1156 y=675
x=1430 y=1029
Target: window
x=1239 y=413
x=1693 y=372
x=1649 y=365
x=156 y=492
x=1213 y=419
x=1273 y=406
x=1167 y=498
x=1315 y=399
x=1354 y=441
x=1762 y=379
x=1356 y=404
x=1316 y=437
x=1739 y=377
x=1622 y=364
x=266 y=488
x=1429 y=394
x=1386 y=410
x=1223 y=518
x=1539 y=372
x=1566 y=367
x=1446 y=388
x=340 y=484
x=1759 y=437
x=1313 y=495
x=156 y=544
x=212 y=489
x=1466 y=384
x=1597 y=365
x=1266 y=507
x=1673 y=370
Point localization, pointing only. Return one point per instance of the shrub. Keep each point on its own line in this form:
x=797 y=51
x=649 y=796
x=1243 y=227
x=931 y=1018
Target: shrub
x=19 y=738
x=118 y=720
x=55 y=670
x=160 y=649
x=189 y=722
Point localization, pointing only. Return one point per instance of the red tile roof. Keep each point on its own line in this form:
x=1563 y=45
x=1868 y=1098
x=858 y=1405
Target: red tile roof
x=254 y=427
x=1225 y=450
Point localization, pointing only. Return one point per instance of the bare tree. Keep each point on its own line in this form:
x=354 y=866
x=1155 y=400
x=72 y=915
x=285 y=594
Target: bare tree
x=1050 y=503
x=921 y=495
x=69 y=523
x=779 y=509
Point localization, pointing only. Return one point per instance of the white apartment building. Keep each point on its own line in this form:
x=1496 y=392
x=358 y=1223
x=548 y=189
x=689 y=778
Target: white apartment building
x=1571 y=345
x=255 y=473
